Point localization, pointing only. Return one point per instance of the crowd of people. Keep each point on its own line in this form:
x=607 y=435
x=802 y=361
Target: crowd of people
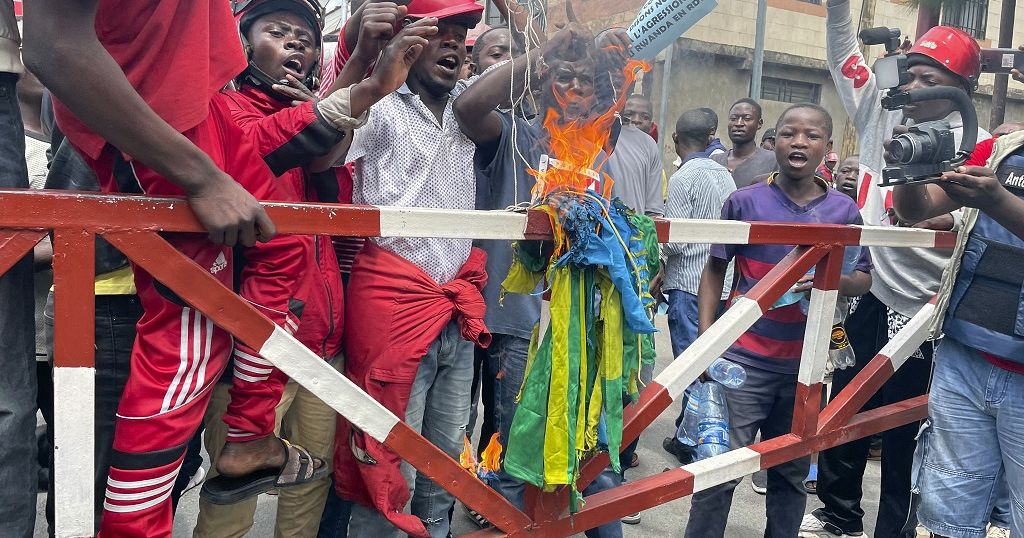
x=226 y=103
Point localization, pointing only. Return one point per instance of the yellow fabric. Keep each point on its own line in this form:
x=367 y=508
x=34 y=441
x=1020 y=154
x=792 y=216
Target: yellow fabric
x=117 y=282
x=556 y=436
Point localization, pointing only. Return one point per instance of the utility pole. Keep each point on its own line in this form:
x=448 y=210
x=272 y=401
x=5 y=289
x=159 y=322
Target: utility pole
x=1006 y=13
x=755 y=72
x=666 y=76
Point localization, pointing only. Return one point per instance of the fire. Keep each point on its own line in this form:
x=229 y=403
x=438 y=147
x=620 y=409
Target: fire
x=576 y=146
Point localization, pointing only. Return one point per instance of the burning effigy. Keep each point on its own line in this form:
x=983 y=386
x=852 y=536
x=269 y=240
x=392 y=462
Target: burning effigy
x=596 y=327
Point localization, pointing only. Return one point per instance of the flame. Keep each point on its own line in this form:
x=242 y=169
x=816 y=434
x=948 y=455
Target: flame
x=577 y=144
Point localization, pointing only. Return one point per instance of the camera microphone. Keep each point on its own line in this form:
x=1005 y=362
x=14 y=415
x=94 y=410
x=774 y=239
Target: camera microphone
x=879 y=35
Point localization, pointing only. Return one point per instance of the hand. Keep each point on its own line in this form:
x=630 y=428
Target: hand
x=228 y=212
x=379 y=23
x=805 y=284
x=1015 y=73
x=973 y=186
x=896 y=131
x=570 y=44
x=614 y=41
x=656 y=283
x=296 y=90
x=942 y=223
x=400 y=54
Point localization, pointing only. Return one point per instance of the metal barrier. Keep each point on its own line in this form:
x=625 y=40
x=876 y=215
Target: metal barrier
x=131 y=224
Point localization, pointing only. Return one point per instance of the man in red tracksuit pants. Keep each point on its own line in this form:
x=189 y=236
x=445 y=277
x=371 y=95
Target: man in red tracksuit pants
x=137 y=79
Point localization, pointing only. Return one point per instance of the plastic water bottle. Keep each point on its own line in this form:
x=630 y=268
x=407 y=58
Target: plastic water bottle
x=713 y=427
x=840 y=352
x=728 y=373
x=851 y=255
x=687 y=431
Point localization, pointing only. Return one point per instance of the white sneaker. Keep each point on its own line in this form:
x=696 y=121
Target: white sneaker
x=632 y=519
x=759 y=482
x=196 y=479
x=812 y=527
x=997 y=532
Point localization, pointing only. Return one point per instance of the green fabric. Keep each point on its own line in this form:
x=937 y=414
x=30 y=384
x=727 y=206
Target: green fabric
x=580 y=364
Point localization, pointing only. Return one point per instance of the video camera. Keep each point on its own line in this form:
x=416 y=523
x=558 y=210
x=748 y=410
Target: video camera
x=928 y=149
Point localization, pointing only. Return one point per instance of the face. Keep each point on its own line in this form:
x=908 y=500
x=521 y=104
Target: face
x=927 y=76
x=830 y=163
x=768 y=144
x=744 y=122
x=283 y=43
x=638 y=112
x=801 y=142
x=437 y=69
x=467 y=68
x=846 y=176
x=571 y=90
x=495 y=47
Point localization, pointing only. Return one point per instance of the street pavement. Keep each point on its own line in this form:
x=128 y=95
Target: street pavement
x=668 y=520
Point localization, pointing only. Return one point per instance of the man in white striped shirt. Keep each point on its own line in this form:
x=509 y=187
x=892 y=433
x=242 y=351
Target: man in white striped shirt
x=696 y=191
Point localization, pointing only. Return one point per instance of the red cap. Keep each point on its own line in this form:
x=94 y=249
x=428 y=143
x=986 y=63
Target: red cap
x=953 y=49
x=443 y=9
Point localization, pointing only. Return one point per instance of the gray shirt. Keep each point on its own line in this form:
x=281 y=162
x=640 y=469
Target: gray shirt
x=697 y=190
x=635 y=169
x=748 y=172
x=504 y=182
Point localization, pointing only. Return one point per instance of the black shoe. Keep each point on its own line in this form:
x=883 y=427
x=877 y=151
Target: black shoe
x=682 y=452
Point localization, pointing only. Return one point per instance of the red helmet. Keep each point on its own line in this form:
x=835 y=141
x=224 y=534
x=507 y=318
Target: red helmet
x=953 y=49
x=443 y=9
x=247 y=11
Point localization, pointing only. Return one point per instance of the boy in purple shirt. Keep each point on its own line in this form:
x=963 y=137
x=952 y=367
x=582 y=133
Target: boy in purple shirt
x=770 y=350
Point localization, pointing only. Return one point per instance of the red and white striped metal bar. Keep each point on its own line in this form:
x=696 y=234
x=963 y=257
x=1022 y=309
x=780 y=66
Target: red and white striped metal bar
x=80 y=215
x=74 y=375
x=197 y=287
x=15 y=244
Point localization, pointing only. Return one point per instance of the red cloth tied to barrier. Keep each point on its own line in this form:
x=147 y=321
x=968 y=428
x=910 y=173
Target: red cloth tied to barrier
x=394 y=312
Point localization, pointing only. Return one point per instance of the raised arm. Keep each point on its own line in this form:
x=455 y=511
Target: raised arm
x=62 y=49
x=855 y=82
x=475 y=107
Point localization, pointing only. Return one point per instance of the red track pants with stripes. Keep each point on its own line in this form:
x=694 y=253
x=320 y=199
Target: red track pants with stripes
x=179 y=354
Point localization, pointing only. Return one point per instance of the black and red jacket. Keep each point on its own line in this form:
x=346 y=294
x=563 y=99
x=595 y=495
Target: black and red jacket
x=288 y=137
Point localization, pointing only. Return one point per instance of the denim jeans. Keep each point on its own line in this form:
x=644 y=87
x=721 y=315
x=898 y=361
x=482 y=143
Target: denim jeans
x=116 y=317
x=682 y=320
x=608 y=479
x=439 y=409
x=763 y=403
x=974 y=435
x=18 y=476
x=506 y=364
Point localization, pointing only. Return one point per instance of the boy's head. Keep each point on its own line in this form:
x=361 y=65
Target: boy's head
x=492 y=47
x=281 y=37
x=639 y=112
x=693 y=132
x=1003 y=129
x=712 y=117
x=944 y=56
x=846 y=176
x=768 y=139
x=437 y=69
x=803 y=136
x=744 y=121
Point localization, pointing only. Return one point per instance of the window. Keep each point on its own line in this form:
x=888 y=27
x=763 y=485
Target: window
x=970 y=16
x=790 y=91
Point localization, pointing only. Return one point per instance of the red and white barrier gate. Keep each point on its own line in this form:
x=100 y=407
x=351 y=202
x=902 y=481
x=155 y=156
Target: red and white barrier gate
x=131 y=225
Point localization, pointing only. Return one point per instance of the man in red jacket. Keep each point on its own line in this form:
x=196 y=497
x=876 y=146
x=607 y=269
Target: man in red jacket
x=283 y=42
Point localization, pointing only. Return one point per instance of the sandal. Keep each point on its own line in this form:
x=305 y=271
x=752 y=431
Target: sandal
x=299 y=468
x=811 y=482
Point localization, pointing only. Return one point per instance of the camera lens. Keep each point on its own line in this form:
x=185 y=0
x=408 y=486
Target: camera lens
x=902 y=149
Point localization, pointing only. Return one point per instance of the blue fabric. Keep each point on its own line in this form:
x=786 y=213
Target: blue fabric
x=715 y=145
x=1000 y=302
x=973 y=438
x=682 y=320
x=594 y=242
x=18 y=478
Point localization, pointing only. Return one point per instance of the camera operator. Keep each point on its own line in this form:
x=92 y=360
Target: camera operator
x=904 y=280
x=975 y=429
